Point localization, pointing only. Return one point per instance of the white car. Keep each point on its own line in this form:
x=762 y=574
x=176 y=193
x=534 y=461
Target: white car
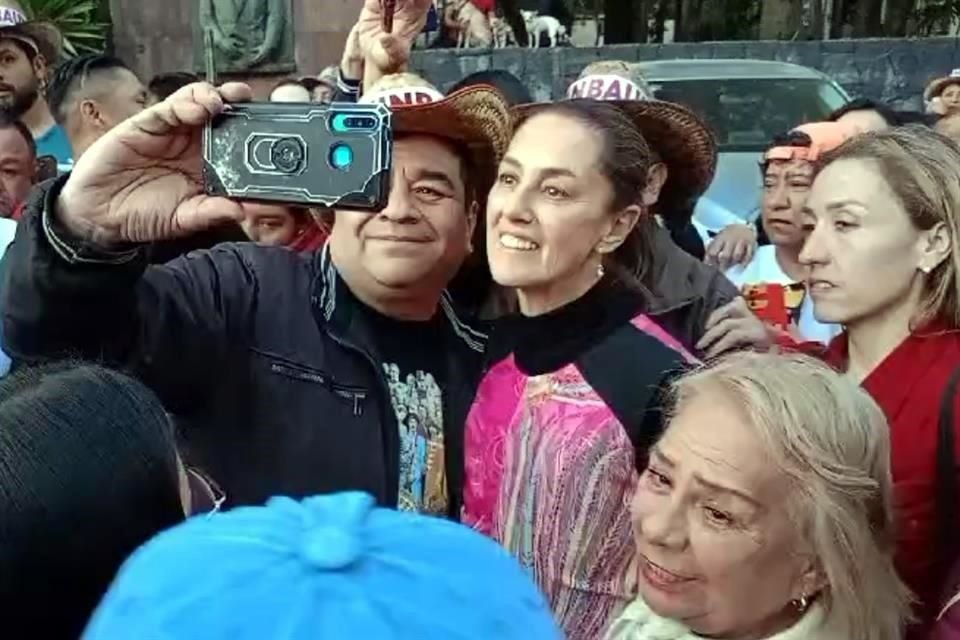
x=746 y=103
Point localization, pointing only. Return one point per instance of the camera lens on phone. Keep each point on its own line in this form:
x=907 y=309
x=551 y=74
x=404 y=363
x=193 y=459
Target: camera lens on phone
x=341 y=156
x=341 y=123
x=288 y=155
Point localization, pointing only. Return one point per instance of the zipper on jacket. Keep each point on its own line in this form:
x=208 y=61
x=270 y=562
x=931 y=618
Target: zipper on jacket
x=298 y=373
x=355 y=395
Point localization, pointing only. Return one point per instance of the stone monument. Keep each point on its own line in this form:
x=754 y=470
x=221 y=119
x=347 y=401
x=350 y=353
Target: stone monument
x=247 y=36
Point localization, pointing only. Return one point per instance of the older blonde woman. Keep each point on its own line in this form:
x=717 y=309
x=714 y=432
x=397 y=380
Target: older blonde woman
x=765 y=510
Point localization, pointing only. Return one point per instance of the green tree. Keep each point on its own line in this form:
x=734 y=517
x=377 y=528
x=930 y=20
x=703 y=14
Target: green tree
x=704 y=20
x=79 y=21
x=897 y=22
x=936 y=16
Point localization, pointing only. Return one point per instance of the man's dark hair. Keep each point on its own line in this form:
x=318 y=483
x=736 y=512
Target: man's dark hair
x=9 y=122
x=72 y=76
x=505 y=82
x=792 y=138
x=88 y=473
x=311 y=84
x=164 y=85
x=866 y=104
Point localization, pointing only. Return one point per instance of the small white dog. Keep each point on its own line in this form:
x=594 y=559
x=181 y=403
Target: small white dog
x=537 y=25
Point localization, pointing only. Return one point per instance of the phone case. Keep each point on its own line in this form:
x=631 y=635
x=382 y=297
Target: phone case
x=328 y=155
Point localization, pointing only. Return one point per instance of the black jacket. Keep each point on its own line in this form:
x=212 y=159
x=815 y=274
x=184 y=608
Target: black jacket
x=275 y=381
x=685 y=291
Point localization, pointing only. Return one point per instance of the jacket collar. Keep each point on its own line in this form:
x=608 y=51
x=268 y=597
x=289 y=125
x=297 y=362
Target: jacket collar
x=335 y=302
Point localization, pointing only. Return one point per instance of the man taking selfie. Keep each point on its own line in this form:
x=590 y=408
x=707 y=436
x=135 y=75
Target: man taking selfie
x=289 y=374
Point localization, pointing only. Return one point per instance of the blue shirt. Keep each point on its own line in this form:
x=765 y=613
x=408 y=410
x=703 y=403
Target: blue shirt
x=7 y=229
x=55 y=143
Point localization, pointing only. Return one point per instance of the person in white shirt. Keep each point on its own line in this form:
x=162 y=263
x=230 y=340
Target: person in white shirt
x=773 y=280
x=7 y=230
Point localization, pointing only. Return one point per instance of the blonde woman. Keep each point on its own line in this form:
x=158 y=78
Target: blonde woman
x=883 y=250
x=765 y=510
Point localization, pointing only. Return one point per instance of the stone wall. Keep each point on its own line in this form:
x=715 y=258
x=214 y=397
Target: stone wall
x=157 y=36
x=893 y=70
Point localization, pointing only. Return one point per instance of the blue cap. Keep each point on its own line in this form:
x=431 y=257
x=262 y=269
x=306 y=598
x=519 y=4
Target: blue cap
x=329 y=567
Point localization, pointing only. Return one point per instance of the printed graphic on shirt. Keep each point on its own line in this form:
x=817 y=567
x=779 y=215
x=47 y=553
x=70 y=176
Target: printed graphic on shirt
x=418 y=404
x=776 y=304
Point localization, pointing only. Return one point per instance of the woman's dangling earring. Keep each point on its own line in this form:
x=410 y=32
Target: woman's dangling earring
x=600 y=271
x=801 y=604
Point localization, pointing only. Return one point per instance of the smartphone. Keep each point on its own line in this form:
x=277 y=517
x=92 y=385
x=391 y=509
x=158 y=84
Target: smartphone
x=335 y=155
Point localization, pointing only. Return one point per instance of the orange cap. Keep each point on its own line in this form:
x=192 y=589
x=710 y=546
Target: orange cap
x=824 y=137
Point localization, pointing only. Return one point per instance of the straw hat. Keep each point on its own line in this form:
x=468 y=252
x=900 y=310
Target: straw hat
x=42 y=37
x=683 y=142
x=478 y=117
x=328 y=77
x=935 y=88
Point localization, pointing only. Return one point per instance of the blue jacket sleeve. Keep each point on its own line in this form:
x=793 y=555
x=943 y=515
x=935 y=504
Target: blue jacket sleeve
x=348 y=90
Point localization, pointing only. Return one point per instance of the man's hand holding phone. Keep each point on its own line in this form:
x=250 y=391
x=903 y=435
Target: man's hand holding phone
x=142 y=181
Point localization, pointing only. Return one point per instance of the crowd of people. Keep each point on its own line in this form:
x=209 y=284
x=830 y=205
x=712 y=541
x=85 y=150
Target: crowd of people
x=523 y=400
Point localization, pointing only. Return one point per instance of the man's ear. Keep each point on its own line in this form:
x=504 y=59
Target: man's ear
x=620 y=229
x=935 y=248
x=90 y=113
x=656 y=177
x=40 y=68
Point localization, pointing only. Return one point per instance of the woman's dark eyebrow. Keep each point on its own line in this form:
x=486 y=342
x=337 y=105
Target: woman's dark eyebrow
x=549 y=172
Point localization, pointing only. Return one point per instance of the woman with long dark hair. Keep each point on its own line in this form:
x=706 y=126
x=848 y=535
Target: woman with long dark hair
x=563 y=418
